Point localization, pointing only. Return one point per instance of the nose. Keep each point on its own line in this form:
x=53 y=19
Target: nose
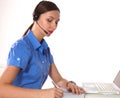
x=54 y=26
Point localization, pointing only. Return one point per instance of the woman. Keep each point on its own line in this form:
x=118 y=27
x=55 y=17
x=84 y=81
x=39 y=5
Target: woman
x=30 y=60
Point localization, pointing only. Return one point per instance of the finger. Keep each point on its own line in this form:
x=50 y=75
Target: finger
x=78 y=90
x=73 y=89
x=59 y=93
x=82 y=90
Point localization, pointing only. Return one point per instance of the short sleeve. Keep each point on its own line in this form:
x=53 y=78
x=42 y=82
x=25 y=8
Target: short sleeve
x=19 y=55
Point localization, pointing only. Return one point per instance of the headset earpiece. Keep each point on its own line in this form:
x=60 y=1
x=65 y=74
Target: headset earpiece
x=35 y=17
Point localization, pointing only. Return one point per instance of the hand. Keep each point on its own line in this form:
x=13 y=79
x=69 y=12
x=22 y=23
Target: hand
x=72 y=87
x=51 y=93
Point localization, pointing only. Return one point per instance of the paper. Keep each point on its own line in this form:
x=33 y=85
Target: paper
x=71 y=95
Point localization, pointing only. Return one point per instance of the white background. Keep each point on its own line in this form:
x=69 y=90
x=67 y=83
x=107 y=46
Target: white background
x=86 y=44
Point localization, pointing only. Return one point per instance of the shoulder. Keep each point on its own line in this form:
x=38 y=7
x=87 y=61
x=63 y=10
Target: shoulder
x=20 y=47
x=19 y=54
x=20 y=44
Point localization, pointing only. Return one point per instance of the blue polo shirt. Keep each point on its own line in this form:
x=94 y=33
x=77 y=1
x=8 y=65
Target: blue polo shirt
x=33 y=58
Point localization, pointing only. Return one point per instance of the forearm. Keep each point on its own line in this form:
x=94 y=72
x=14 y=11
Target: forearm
x=62 y=82
x=9 y=91
x=56 y=77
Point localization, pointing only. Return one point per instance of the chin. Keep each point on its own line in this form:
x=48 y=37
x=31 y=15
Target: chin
x=48 y=35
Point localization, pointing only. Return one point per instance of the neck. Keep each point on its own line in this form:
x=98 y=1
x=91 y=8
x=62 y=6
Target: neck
x=37 y=32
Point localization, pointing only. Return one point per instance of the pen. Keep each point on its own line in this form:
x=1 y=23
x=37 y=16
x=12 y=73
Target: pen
x=55 y=85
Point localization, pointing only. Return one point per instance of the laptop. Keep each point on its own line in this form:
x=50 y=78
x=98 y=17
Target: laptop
x=103 y=88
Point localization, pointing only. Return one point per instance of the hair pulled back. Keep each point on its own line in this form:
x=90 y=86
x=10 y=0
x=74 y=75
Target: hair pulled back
x=42 y=7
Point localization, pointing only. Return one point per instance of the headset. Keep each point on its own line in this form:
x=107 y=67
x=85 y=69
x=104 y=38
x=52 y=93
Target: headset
x=35 y=18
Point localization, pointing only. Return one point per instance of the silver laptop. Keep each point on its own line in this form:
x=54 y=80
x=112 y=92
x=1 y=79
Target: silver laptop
x=104 y=88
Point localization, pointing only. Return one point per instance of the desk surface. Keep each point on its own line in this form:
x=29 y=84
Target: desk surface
x=70 y=95
x=101 y=96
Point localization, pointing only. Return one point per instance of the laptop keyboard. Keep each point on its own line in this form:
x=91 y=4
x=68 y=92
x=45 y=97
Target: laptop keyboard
x=105 y=87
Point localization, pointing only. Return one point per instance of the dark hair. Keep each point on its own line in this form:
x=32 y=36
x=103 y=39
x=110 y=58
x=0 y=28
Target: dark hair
x=41 y=8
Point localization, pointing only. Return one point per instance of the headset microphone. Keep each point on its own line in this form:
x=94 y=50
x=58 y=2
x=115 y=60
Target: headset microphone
x=41 y=28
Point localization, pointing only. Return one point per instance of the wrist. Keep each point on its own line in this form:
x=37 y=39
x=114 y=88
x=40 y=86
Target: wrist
x=70 y=82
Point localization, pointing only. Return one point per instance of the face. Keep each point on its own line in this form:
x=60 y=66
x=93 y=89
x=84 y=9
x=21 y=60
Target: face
x=49 y=21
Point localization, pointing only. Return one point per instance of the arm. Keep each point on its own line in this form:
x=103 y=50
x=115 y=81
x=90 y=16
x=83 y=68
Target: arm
x=61 y=82
x=56 y=77
x=13 y=91
x=7 y=90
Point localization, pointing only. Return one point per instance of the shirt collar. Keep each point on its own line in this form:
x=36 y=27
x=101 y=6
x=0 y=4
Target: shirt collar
x=35 y=43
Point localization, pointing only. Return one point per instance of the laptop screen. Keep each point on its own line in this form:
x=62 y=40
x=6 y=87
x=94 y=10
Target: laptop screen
x=117 y=79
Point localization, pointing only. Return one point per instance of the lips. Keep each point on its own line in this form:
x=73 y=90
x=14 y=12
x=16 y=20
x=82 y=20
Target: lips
x=50 y=32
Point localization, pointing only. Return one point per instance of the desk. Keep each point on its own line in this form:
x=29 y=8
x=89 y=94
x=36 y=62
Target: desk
x=69 y=95
x=101 y=96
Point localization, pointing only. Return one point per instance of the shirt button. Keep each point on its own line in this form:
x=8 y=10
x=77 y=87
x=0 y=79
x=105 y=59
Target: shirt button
x=42 y=62
x=18 y=59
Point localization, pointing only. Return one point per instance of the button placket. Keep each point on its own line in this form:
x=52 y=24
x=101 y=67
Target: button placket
x=41 y=55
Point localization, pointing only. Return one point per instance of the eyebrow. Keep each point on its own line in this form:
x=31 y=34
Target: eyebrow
x=54 y=18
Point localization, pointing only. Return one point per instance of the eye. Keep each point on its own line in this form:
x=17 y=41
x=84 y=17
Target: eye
x=49 y=20
x=56 y=22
